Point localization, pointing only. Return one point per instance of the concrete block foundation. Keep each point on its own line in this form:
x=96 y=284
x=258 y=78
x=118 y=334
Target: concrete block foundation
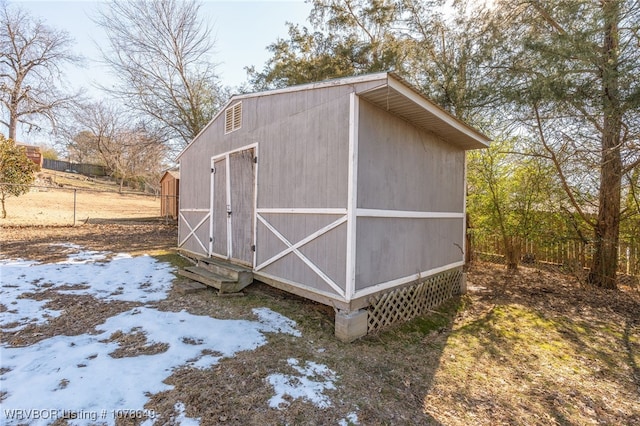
x=350 y=326
x=463 y=283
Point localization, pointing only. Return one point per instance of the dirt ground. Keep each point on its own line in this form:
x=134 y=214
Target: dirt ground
x=34 y=242
x=530 y=348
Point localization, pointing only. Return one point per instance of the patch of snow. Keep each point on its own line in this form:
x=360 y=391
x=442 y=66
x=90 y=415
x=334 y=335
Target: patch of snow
x=77 y=377
x=352 y=419
x=182 y=418
x=125 y=278
x=77 y=254
x=314 y=379
x=17 y=263
x=76 y=373
x=84 y=257
x=21 y=311
x=276 y=323
x=67 y=246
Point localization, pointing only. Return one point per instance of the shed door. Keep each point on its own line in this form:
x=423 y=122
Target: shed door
x=242 y=169
x=233 y=206
x=219 y=208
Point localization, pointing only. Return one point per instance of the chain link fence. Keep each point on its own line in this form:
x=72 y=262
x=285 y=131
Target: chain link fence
x=46 y=205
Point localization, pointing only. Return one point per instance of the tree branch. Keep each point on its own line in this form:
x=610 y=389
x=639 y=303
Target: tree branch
x=558 y=167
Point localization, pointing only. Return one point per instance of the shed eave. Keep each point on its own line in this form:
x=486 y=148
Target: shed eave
x=399 y=98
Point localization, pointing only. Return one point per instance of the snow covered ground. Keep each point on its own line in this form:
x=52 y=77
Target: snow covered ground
x=78 y=377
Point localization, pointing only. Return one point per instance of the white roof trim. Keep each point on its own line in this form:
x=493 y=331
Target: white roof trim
x=403 y=88
x=318 y=85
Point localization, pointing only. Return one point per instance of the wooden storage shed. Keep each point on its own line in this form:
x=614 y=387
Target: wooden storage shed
x=170 y=194
x=349 y=192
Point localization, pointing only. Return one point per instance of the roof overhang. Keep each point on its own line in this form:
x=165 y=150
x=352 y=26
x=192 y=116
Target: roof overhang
x=400 y=99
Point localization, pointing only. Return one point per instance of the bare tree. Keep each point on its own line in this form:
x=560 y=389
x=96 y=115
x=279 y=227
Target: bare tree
x=109 y=135
x=31 y=59
x=159 y=50
x=94 y=132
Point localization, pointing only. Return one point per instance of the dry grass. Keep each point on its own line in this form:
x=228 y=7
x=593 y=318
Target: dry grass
x=75 y=180
x=531 y=348
x=96 y=201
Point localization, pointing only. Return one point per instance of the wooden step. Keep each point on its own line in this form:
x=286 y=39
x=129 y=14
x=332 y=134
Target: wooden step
x=190 y=286
x=226 y=269
x=223 y=283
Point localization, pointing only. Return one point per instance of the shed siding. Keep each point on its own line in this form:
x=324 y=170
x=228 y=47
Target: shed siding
x=401 y=167
x=195 y=190
x=302 y=140
x=305 y=158
x=327 y=251
x=198 y=241
x=195 y=179
x=293 y=269
x=392 y=248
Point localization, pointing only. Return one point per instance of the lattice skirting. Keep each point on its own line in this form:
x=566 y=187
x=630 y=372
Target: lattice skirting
x=408 y=302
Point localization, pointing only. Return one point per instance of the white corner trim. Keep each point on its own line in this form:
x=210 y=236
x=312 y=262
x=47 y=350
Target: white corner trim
x=464 y=208
x=212 y=179
x=352 y=196
x=404 y=280
x=255 y=206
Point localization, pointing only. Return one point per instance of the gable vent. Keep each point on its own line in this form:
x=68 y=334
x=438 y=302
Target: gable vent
x=233 y=118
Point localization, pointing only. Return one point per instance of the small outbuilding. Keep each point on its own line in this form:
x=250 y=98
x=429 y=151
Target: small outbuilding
x=349 y=192
x=170 y=194
x=34 y=154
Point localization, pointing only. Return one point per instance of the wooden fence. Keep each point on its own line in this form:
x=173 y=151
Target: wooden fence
x=566 y=254
x=81 y=168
